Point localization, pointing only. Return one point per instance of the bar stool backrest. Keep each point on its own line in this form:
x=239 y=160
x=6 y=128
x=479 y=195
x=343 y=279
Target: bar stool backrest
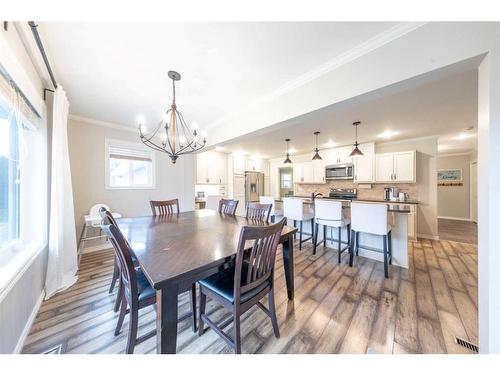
x=267 y=200
x=325 y=209
x=293 y=208
x=369 y=218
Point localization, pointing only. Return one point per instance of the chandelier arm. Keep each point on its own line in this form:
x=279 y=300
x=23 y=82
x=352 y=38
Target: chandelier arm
x=153 y=145
x=184 y=127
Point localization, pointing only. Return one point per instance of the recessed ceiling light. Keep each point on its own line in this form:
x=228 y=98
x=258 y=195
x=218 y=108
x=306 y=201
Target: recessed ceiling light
x=463 y=136
x=330 y=144
x=292 y=150
x=219 y=148
x=388 y=134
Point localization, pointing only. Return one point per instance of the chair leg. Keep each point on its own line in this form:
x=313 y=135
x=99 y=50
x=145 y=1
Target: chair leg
x=351 y=248
x=357 y=243
x=340 y=243
x=237 y=333
x=203 y=304
x=300 y=236
x=315 y=238
x=272 y=219
x=193 y=306
x=324 y=236
x=313 y=230
x=272 y=310
x=132 y=330
x=389 y=239
x=118 y=296
x=295 y=226
x=116 y=274
x=123 y=311
x=386 y=263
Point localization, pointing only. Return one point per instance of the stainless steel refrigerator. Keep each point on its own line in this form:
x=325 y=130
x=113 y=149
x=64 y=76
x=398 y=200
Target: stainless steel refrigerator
x=254 y=186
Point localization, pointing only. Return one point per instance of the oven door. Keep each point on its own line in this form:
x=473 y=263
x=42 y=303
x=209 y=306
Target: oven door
x=339 y=172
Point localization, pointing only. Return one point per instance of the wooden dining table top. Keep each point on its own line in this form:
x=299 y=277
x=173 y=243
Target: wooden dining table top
x=172 y=246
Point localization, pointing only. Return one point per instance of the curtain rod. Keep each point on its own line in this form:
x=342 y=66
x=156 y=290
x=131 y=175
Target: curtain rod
x=36 y=35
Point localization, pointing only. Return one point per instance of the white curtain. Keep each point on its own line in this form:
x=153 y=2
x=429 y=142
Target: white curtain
x=62 y=260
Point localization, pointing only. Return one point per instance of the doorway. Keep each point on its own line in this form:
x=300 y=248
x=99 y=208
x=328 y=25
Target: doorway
x=473 y=191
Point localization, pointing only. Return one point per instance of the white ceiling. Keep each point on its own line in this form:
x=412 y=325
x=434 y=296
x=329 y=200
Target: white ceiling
x=443 y=104
x=116 y=71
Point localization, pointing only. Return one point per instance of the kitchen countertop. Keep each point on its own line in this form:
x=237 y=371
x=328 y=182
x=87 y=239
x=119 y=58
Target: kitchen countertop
x=394 y=206
x=308 y=199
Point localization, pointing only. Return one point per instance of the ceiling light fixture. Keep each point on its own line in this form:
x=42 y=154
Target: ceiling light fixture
x=356 y=151
x=388 y=134
x=177 y=139
x=287 y=160
x=316 y=150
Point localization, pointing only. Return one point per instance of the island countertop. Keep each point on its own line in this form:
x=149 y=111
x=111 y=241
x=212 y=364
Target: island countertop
x=394 y=206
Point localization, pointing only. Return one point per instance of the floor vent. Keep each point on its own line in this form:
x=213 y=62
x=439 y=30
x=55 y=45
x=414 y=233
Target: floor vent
x=55 y=350
x=466 y=344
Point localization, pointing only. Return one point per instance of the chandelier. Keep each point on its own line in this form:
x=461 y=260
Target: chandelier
x=172 y=135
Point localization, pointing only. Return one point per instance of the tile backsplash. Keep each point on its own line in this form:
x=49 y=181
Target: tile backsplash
x=375 y=192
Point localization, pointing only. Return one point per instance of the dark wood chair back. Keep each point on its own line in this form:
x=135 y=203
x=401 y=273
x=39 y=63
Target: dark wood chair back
x=123 y=253
x=106 y=214
x=228 y=206
x=165 y=207
x=259 y=259
x=258 y=211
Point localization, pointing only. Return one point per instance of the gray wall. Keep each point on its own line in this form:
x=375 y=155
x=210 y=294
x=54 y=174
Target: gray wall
x=454 y=201
x=19 y=302
x=87 y=157
x=426 y=180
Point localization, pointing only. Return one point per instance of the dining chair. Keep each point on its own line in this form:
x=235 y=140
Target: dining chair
x=242 y=285
x=371 y=219
x=164 y=207
x=136 y=291
x=263 y=199
x=258 y=211
x=228 y=206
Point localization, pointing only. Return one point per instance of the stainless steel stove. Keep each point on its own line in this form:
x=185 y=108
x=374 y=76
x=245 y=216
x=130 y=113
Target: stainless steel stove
x=347 y=194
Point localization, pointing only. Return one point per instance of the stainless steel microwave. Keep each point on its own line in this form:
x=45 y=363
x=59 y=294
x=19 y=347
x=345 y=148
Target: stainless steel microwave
x=339 y=172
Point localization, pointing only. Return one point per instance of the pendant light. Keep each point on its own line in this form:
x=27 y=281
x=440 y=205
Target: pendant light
x=287 y=160
x=356 y=151
x=316 y=151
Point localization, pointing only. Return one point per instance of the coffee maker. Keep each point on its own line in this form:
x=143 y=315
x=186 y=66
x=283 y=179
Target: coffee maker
x=391 y=193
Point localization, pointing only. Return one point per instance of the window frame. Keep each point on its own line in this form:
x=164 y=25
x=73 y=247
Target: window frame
x=136 y=146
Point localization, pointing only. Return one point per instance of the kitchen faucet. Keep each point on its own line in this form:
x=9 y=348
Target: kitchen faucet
x=315 y=195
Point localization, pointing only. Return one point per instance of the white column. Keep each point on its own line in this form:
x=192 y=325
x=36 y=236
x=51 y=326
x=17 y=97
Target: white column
x=489 y=202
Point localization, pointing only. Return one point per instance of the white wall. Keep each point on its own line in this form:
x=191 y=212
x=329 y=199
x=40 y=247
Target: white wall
x=19 y=303
x=454 y=201
x=87 y=158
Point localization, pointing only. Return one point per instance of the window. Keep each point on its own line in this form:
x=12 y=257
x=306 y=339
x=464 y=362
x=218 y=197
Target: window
x=129 y=166
x=286 y=180
x=9 y=179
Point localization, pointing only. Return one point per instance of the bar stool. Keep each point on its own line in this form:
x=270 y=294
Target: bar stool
x=293 y=209
x=329 y=214
x=372 y=219
x=270 y=200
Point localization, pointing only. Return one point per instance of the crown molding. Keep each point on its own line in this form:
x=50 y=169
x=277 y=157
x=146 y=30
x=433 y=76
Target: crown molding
x=354 y=53
x=466 y=153
x=86 y=120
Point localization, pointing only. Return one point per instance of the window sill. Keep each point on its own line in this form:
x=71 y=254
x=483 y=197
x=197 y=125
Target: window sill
x=14 y=261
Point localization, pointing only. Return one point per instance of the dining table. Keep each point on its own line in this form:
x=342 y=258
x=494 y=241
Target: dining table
x=174 y=251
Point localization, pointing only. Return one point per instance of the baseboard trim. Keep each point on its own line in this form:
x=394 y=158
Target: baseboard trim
x=428 y=236
x=29 y=323
x=455 y=218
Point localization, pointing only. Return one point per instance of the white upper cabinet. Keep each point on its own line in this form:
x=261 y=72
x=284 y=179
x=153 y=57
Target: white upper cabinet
x=211 y=168
x=239 y=161
x=253 y=165
x=318 y=169
x=404 y=166
x=311 y=172
x=339 y=155
x=384 y=167
x=396 y=167
x=364 y=165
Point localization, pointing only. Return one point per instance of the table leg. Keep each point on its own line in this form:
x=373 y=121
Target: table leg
x=288 y=265
x=166 y=320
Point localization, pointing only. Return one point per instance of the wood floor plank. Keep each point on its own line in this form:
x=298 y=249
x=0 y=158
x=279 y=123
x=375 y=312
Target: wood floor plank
x=337 y=308
x=358 y=334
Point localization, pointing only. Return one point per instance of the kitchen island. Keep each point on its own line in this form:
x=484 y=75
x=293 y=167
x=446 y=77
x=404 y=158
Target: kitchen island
x=370 y=246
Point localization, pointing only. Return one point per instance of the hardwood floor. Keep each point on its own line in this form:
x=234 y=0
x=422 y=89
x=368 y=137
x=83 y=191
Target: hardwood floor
x=337 y=309
x=457 y=230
